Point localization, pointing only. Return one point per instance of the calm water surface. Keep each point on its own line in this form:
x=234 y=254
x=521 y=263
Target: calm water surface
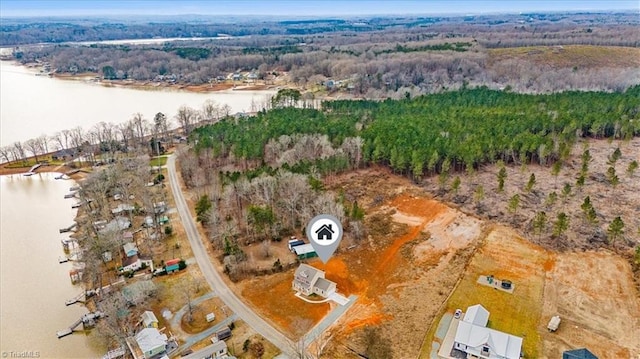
x=35 y=105
x=34 y=286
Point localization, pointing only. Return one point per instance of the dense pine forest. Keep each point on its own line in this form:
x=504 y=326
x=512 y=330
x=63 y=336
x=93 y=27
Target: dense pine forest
x=443 y=132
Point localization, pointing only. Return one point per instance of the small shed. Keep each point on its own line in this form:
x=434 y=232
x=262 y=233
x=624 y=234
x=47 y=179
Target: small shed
x=224 y=334
x=305 y=251
x=172 y=265
x=554 y=323
x=149 y=319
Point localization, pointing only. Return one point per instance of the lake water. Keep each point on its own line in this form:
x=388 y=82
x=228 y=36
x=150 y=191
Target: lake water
x=34 y=285
x=35 y=105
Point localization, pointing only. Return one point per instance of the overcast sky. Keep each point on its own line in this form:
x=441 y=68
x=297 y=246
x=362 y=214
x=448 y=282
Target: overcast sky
x=299 y=7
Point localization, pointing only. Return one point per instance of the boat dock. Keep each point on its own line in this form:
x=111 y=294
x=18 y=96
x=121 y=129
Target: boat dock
x=88 y=320
x=82 y=297
x=70 y=195
x=68 y=229
x=32 y=170
x=115 y=353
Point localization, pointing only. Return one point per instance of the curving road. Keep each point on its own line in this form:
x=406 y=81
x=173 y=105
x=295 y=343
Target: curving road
x=213 y=277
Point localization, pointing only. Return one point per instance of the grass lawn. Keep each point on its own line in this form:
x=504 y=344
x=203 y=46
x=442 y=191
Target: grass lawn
x=506 y=257
x=158 y=161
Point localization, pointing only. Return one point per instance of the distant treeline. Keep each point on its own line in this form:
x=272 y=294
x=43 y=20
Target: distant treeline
x=441 y=132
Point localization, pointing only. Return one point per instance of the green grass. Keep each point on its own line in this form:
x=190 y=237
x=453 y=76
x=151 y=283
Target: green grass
x=158 y=161
x=518 y=313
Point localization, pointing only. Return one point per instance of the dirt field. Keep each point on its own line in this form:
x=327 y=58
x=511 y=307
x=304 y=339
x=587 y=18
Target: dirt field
x=600 y=309
x=583 y=56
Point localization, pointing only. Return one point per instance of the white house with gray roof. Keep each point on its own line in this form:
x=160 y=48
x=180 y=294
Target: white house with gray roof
x=477 y=341
x=309 y=280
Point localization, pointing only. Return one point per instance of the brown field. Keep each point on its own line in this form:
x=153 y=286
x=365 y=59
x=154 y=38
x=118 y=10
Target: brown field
x=600 y=308
x=580 y=56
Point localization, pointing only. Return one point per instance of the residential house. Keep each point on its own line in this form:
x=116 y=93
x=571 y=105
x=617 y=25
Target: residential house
x=149 y=319
x=132 y=263
x=217 y=350
x=159 y=207
x=151 y=342
x=122 y=207
x=64 y=155
x=578 y=354
x=476 y=340
x=309 y=280
x=130 y=249
x=117 y=224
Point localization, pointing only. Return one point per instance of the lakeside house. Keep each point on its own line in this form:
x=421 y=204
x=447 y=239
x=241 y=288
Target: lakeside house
x=217 y=350
x=477 y=341
x=151 y=342
x=309 y=280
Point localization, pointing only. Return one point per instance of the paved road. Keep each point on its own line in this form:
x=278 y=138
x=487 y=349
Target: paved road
x=213 y=277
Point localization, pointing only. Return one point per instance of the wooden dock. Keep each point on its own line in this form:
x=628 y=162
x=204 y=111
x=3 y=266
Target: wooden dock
x=70 y=195
x=82 y=297
x=115 y=353
x=87 y=320
x=68 y=229
x=32 y=170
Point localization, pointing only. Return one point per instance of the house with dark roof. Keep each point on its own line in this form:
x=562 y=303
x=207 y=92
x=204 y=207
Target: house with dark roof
x=582 y=353
x=477 y=341
x=309 y=280
x=325 y=232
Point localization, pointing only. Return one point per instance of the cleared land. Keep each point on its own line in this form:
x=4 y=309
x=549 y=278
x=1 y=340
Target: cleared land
x=579 y=56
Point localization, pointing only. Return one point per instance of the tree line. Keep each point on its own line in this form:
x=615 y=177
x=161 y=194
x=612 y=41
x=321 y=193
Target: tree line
x=443 y=55
x=446 y=132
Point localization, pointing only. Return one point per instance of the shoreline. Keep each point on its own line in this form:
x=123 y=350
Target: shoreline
x=62 y=169
x=94 y=77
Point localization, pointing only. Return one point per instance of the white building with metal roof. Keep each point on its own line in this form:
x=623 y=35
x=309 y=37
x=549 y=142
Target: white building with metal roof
x=474 y=338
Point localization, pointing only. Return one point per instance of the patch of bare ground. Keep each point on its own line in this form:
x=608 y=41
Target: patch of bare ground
x=600 y=309
x=571 y=56
x=608 y=201
x=417 y=249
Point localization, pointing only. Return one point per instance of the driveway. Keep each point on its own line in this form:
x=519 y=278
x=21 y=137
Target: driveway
x=213 y=276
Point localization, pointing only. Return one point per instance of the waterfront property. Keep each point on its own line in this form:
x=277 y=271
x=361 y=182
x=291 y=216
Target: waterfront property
x=309 y=280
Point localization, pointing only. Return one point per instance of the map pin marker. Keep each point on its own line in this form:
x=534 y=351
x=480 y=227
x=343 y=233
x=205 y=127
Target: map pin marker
x=324 y=232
